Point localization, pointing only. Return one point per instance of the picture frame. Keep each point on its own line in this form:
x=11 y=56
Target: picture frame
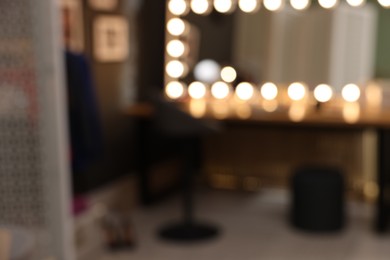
x=110 y=38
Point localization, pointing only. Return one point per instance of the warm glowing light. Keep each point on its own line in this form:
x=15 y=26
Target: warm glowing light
x=197 y=90
x=374 y=95
x=384 y=3
x=297 y=112
x=350 y=93
x=300 y=4
x=207 y=71
x=356 y=3
x=244 y=111
x=269 y=91
x=198 y=107
x=174 y=90
x=220 y=90
x=220 y=109
x=270 y=105
x=371 y=190
x=202 y=7
x=323 y=93
x=176 y=26
x=228 y=74
x=245 y=91
x=223 y=6
x=327 y=4
x=178 y=7
x=351 y=112
x=175 y=69
x=249 y=6
x=176 y=48
x=273 y=5
x=296 y=91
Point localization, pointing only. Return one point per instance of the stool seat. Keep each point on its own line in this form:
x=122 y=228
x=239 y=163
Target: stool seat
x=317 y=199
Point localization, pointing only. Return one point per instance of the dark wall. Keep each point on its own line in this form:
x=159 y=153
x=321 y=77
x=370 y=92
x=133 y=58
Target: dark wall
x=118 y=139
x=151 y=40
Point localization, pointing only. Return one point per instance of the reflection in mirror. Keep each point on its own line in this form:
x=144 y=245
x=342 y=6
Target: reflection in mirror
x=325 y=50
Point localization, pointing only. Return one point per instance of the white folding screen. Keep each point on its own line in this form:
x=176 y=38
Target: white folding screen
x=35 y=209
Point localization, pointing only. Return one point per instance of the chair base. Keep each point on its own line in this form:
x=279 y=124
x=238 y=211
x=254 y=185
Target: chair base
x=182 y=232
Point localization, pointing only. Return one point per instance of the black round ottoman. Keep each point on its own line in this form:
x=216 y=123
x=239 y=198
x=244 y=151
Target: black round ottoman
x=317 y=199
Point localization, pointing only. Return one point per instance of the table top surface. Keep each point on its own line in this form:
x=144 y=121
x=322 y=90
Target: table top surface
x=338 y=113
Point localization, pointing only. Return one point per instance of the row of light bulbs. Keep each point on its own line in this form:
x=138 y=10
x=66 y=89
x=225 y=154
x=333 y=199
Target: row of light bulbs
x=204 y=7
x=246 y=91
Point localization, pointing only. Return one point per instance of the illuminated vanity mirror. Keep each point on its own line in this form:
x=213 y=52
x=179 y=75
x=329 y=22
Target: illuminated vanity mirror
x=331 y=42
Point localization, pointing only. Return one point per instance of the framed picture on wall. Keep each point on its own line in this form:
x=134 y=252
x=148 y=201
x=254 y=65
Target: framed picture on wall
x=103 y=5
x=111 y=43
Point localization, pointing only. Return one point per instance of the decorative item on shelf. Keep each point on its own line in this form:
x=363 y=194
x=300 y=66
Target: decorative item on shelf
x=111 y=43
x=103 y=5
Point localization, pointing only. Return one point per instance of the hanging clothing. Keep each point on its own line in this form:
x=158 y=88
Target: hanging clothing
x=85 y=127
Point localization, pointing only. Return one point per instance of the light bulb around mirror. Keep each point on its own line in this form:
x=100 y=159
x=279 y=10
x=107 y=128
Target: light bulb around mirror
x=269 y=91
x=356 y=3
x=207 y=71
x=176 y=48
x=323 y=93
x=249 y=6
x=176 y=26
x=350 y=93
x=296 y=91
x=223 y=6
x=175 y=90
x=328 y=4
x=220 y=90
x=175 y=69
x=228 y=74
x=273 y=5
x=197 y=90
x=300 y=4
x=202 y=7
x=178 y=7
x=245 y=91
x=384 y=3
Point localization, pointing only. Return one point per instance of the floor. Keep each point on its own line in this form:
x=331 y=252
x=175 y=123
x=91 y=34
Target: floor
x=254 y=226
